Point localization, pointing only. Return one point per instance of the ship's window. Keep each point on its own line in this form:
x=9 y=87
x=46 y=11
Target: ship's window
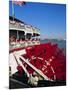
x=28 y=36
x=13 y=33
x=21 y=35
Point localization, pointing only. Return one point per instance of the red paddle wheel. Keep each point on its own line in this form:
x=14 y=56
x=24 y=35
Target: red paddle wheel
x=46 y=59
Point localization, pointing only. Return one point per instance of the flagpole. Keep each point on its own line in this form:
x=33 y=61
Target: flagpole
x=13 y=10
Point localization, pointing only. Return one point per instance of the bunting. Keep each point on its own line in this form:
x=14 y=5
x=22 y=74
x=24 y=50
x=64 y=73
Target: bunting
x=20 y=3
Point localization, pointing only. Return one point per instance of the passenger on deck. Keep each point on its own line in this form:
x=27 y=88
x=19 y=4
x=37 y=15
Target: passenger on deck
x=12 y=40
x=33 y=79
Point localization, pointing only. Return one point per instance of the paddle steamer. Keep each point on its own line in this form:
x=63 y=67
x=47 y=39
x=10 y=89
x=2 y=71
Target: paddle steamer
x=27 y=55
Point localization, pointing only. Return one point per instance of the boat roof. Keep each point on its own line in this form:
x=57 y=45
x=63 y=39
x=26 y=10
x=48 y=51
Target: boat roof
x=35 y=29
x=15 y=19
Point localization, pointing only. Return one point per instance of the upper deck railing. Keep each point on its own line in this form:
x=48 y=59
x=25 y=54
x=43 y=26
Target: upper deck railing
x=23 y=27
x=16 y=26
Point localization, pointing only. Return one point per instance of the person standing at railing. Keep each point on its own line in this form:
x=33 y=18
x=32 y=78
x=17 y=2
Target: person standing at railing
x=12 y=39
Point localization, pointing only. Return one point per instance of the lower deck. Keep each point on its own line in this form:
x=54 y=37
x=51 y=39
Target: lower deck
x=16 y=82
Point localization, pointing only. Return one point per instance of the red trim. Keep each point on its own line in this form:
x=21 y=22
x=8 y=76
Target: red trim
x=20 y=48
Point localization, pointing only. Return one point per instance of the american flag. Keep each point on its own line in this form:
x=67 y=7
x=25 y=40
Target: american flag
x=20 y=3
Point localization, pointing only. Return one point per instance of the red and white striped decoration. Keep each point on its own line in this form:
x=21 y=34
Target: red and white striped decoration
x=20 y=3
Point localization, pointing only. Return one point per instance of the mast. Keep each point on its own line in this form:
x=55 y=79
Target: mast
x=13 y=13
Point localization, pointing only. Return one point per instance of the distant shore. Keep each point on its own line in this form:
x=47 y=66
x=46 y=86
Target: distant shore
x=61 y=43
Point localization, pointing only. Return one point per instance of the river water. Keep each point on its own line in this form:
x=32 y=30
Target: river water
x=61 y=43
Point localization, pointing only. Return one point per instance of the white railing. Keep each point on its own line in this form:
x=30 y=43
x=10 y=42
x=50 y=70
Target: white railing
x=16 y=27
x=14 y=45
x=22 y=27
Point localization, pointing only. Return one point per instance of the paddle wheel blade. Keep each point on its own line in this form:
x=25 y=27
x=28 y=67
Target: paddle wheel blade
x=46 y=58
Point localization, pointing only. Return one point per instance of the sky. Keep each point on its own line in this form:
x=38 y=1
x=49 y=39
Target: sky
x=49 y=18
